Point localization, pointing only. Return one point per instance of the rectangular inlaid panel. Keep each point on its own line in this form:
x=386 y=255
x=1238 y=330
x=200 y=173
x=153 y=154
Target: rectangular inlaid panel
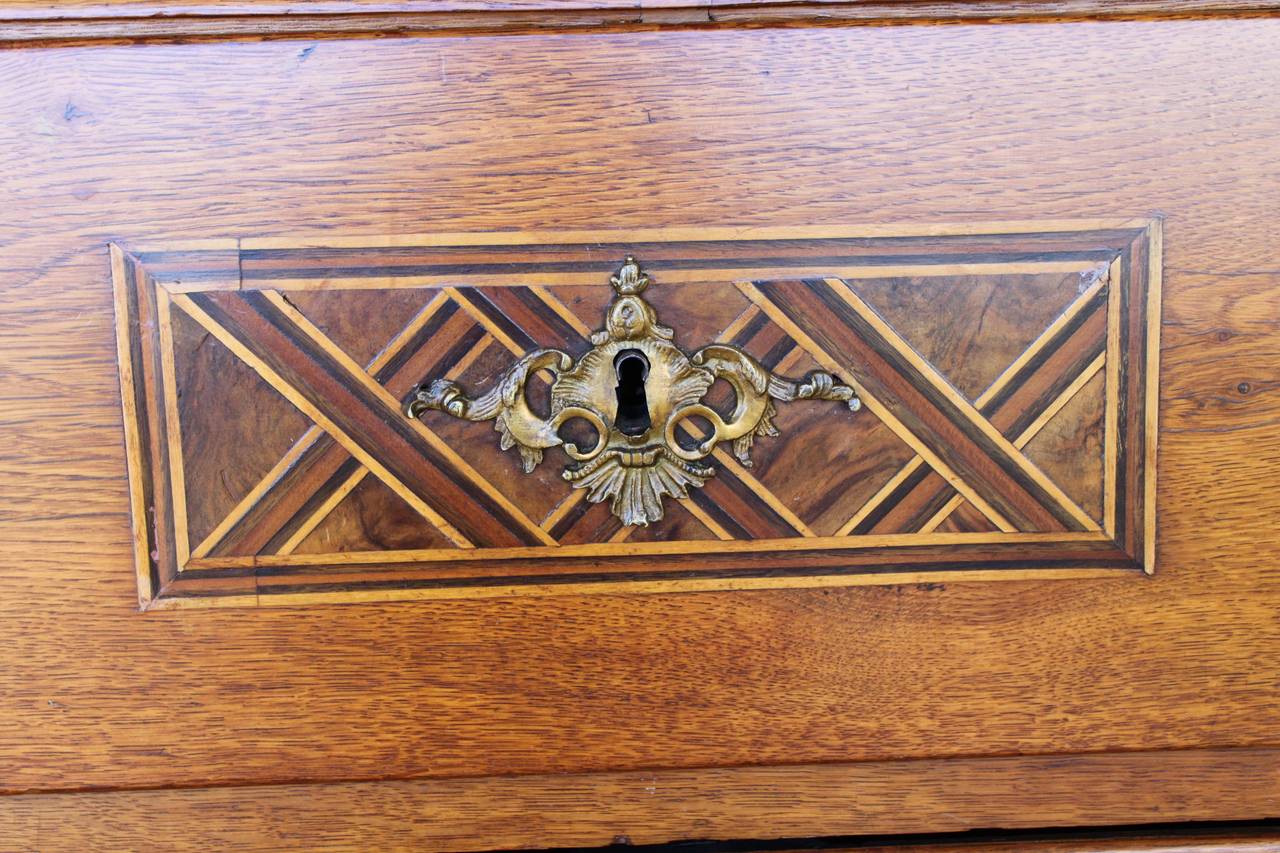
x=942 y=402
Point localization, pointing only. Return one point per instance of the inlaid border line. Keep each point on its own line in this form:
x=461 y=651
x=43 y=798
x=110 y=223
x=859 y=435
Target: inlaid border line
x=670 y=275
x=135 y=452
x=173 y=427
x=633 y=587
x=1111 y=423
x=663 y=548
x=1154 y=318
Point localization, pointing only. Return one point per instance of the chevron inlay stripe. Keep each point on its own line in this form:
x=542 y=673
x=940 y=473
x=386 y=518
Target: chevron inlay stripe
x=851 y=332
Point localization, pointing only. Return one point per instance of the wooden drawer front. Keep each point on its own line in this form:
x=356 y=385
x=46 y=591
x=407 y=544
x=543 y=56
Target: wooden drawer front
x=1001 y=420
x=1009 y=241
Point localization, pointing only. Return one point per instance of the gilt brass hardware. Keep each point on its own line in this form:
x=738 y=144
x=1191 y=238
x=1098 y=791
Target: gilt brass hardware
x=642 y=396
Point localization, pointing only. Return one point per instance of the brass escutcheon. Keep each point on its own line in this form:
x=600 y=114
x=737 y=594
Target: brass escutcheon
x=641 y=395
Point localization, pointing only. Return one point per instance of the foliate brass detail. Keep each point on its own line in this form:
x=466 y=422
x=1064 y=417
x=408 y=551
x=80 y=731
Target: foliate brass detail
x=638 y=391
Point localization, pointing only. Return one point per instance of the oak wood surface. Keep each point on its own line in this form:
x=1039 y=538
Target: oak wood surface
x=681 y=129
x=38 y=22
x=751 y=803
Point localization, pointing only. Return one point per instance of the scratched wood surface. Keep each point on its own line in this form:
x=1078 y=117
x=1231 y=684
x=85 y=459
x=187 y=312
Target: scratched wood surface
x=633 y=130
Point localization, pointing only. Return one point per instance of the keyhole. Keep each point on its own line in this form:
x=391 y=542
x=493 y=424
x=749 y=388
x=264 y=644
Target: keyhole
x=632 y=369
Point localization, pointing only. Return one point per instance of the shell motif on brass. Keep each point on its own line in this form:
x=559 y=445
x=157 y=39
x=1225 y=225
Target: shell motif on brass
x=642 y=397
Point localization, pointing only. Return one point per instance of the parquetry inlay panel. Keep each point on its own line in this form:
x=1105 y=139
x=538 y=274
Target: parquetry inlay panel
x=1007 y=374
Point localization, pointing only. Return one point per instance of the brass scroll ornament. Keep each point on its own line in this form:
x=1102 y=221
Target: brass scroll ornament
x=637 y=390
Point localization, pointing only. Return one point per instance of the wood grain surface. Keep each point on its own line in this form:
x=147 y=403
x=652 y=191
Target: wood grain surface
x=750 y=803
x=763 y=127
x=38 y=22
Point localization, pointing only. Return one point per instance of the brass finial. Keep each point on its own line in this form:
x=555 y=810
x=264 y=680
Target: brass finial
x=629 y=279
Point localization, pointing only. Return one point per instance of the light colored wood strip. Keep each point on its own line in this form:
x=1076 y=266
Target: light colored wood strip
x=1029 y=433
x=1056 y=406
x=963 y=406
x=213 y=244
x=132 y=433
x=562 y=509
x=1111 y=422
x=655 y=549
x=480 y=317
x=761 y=491
x=209 y=602
x=662 y=235
x=789 y=360
x=672 y=275
x=623 y=534
x=200 y=286
x=1155 y=286
x=173 y=428
x=942 y=515
x=562 y=310
x=707 y=521
x=255 y=494
x=398 y=343
x=739 y=323
x=874 y=406
x=469 y=358
x=304 y=405
x=322 y=511
x=438 y=444
x=879 y=497
x=1042 y=340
